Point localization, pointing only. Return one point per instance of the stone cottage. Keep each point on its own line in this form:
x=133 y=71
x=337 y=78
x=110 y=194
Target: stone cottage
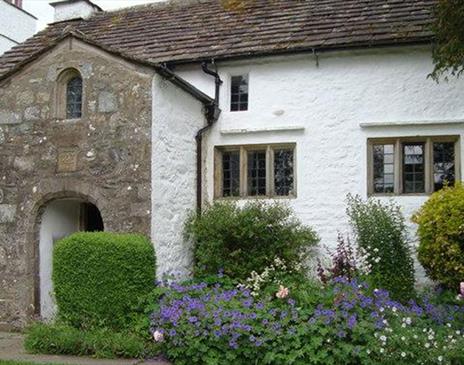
x=128 y=120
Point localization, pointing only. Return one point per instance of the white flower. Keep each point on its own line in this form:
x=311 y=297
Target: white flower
x=440 y=358
x=403 y=354
x=403 y=338
x=427 y=345
x=158 y=336
x=408 y=321
x=383 y=338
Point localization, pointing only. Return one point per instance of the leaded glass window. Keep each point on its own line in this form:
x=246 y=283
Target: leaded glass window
x=231 y=173
x=384 y=158
x=257 y=173
x=74 y=98
x=283 y=171
x=255 y=170
x=413 y=168
x=443 y=164
x=239 y=93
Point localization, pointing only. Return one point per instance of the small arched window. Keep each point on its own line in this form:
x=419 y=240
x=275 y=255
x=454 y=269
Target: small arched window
x=69 y=95
x=74 y=98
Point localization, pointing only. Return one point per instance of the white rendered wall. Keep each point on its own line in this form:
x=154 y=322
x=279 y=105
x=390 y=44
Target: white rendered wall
x=60 y=219
x=77 y=9
x=177 y=117
x=15 y=26
x=330 y=101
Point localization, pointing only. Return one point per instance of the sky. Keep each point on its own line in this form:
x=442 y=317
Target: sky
x=44 y=12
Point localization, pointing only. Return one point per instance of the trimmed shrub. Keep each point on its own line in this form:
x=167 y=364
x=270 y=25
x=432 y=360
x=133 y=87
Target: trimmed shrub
x=62 y=339
x=101 y=278
x=239 y=240
x=381 y=235
x=441 y=232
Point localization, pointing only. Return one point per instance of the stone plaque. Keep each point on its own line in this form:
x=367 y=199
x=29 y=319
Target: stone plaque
x=67 y=160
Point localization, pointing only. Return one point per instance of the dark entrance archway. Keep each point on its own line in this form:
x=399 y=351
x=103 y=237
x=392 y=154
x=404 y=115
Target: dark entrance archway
x=59 y=218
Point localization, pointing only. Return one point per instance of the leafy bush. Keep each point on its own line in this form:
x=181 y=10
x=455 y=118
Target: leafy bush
x=239 y=240
x=62 y=339
x=381 y=234
x=441 y=234
x=344 y=322
x=101 y=278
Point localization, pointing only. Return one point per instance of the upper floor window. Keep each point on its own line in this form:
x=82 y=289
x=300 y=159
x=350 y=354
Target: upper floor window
x=69 y=95
x=412 y=165
x=74 y=98
x=239 y=93
x=254 y=171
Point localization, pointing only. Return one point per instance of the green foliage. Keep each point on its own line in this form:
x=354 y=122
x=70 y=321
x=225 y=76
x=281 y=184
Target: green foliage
x=344 y=322
x=8 y=362
x=101 y=278
x=441 y=232
x=239 y=240
x=448 y=50
x=62 y=339
x=381 y=234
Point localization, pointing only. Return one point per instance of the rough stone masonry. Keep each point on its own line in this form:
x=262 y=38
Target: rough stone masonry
x=102 y=158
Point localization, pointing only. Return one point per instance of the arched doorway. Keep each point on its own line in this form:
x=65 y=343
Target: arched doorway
x=60 y=218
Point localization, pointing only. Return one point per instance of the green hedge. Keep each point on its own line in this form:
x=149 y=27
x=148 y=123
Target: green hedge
x=441 y=234
x=101 y=278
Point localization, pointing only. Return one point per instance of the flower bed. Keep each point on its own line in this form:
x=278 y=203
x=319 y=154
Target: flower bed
x=344 y=322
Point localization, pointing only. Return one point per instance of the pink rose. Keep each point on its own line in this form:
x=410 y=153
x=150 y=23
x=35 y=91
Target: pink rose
x=282 y=293
x=461 y=288
x=158 y=336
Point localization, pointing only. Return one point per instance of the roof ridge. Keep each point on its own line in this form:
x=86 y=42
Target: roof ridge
x=154 y=5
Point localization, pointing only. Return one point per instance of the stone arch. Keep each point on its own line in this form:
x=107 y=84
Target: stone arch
x=45 y=195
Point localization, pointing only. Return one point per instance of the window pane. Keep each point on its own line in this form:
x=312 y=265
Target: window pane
x=383 y=168
x=283 y=172
x=231 y=173
x=239 y=93
x=443 y=164
x=413 y=168
x=257 y=173
x=74 y=98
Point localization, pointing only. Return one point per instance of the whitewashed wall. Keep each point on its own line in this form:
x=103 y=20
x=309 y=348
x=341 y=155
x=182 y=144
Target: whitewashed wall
x=329 y=101
x=15 y=26
x=60 y=219
x=177 y=117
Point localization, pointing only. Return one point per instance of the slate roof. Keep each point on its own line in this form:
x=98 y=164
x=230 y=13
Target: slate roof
x=193 y=30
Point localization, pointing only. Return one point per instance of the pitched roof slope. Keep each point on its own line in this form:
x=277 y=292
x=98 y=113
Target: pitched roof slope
x=191 y=30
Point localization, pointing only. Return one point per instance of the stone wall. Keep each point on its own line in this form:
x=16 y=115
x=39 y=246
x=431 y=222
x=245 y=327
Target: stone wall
x=103 y=157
